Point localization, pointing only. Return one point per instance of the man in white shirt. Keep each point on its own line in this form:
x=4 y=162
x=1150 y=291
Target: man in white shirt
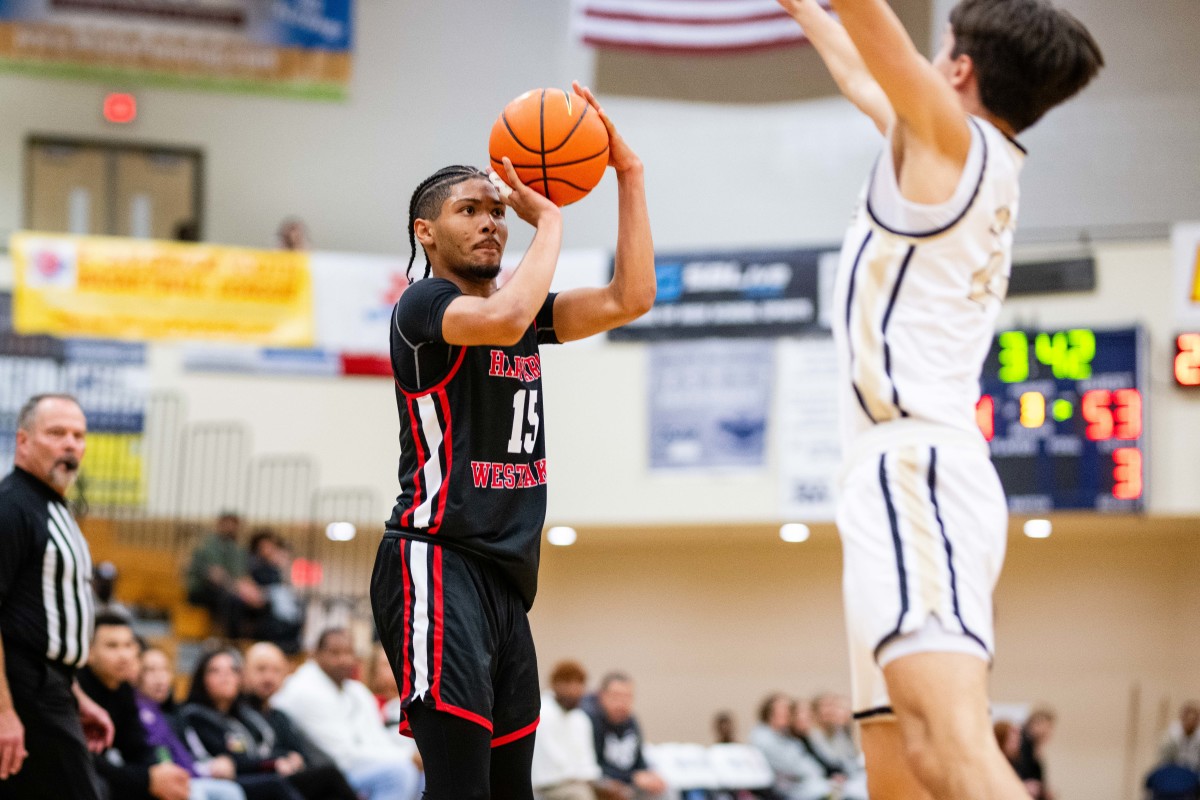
x=1181 y=745
x=564 y=756
x=341 y=716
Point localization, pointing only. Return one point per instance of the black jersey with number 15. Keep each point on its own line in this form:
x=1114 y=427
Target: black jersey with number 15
x=472 y=444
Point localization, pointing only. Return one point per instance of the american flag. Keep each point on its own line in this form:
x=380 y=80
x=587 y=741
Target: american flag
x=685 y=26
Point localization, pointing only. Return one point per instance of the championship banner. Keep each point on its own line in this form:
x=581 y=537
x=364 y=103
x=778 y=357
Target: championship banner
x=296 y=47
x=753 y=293
x=139 y=290
x=1185 y=242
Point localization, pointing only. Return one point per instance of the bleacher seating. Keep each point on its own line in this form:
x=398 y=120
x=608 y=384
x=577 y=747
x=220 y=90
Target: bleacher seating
x=148 y=578
x=740 y=766
x=730 y=767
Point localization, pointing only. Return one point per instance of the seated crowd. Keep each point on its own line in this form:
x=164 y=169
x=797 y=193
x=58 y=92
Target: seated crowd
x=811 y=749
x=247 y=728
x=246 y=590
x=590 y=746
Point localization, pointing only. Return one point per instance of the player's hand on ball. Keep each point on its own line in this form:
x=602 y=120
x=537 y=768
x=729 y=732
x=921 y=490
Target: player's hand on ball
x=620 y=155
x=529 y=205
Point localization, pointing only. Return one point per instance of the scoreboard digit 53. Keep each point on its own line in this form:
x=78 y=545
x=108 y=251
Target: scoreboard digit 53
x=1063 y=413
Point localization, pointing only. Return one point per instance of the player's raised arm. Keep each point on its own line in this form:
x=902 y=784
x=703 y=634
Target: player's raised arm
x=842 y=59
x=921 y=98
x=502 y=317
x=579 y=313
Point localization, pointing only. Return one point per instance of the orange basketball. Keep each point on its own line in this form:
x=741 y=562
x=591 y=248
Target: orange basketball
x=556 y=142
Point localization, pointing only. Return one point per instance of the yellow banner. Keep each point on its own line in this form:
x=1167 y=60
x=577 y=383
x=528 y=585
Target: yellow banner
x=113 y=471
x=1196 y=276
x=137 y=289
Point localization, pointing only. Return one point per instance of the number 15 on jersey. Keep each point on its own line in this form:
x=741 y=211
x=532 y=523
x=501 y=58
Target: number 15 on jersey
x=523 y=412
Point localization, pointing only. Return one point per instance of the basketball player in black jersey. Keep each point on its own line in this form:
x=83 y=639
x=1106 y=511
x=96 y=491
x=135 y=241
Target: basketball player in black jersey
x=457 y=568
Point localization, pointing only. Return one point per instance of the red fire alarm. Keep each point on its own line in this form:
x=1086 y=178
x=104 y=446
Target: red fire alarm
x=120 y=107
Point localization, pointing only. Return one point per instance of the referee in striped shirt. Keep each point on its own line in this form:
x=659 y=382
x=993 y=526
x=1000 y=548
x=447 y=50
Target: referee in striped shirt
x=47 y=725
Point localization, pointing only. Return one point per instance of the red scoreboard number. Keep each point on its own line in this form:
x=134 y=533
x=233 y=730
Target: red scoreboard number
x=1107 y=415
x=1187 y=359
x=1112 y=415
x=1049 y=387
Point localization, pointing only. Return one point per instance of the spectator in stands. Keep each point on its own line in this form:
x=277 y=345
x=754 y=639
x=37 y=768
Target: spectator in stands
x=564 y=752
x=1181 y=745
x=186 y=230
x=104 y=585
x=381 y=680
x=266 y=669
x=158 y=712
x=831 y=734
x=218 y=578
x=801 y=728
x=221 y=722
x=131 y=767
x=798 y=776
x=341 y=715
x=723 y=728
x=1008 y=736
x=618 y=738
x=292 y=234
x=1172 y=782
x=1030 y=767
x=283 y=615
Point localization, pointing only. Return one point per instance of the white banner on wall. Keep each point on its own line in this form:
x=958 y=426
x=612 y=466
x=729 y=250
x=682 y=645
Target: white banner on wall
x=709 y=401
x=353 y=298
x=809 y=447
x=1185 y=242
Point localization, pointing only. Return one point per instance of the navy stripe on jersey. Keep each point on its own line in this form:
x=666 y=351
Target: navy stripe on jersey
x=901 y=571
x=849 y=308
x=878 y=711
x=887 y=315
x=937 y=513
x=957 y=219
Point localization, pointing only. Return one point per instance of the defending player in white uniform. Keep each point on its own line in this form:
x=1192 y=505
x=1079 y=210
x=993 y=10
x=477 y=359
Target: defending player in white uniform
x=923 y=271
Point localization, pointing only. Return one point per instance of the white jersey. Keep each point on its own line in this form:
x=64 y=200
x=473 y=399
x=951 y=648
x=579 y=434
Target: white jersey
x=917 y=294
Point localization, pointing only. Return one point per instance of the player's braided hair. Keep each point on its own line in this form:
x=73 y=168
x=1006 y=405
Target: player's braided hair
x=427 y=202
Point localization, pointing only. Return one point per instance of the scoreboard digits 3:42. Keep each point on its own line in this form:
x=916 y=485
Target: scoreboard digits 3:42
x=1063 y=413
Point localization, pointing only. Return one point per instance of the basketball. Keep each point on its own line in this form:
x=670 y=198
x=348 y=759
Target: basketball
x=556 y=142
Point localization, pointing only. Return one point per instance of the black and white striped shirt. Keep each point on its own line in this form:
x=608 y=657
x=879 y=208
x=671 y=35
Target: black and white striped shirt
x=46 y=604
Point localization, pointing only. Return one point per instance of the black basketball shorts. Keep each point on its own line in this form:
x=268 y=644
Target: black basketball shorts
x=457 y=636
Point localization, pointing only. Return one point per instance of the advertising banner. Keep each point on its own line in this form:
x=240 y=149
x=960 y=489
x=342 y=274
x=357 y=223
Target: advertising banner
x=751 y=293
x=297 y=47
x=140 y=290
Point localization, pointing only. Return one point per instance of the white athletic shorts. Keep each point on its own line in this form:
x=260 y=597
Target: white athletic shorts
x=923 y=530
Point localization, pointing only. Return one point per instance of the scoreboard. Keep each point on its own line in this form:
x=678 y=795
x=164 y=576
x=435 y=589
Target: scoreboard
x=1063 y=414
